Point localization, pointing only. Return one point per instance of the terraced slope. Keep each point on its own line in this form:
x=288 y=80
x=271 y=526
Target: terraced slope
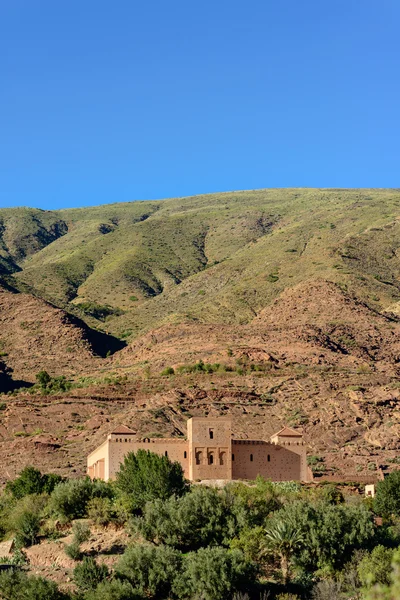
x=213 y=258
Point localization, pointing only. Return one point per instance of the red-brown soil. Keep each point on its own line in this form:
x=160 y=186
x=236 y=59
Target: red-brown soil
x=329 y=365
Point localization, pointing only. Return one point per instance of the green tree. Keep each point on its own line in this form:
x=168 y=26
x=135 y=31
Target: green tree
x=387 y=497
x=31 y=481
x=252 y=504
x=330 y=532
x=145 y=476
x=150 y=569
x=391 y=591
x=251 y=542
x=43 y=379
x=376 y=567
x=213 y=574
x=283 y=538
x=70 y=499
x=200 y=518
x=88 y=574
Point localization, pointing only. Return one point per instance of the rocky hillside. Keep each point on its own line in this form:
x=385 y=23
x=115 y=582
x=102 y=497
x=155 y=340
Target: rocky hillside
x=273 y=306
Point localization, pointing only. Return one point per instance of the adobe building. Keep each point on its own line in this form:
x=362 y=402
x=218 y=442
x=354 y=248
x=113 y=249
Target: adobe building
x=209 y=452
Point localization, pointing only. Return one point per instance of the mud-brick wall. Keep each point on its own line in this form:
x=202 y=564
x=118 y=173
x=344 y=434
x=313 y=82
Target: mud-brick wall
x=119 y=446
x=97 y=462
x=250 y=458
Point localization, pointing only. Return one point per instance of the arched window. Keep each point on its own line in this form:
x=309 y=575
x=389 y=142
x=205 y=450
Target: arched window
x=185 y=454
x=251 y=458
x=211 y=459
x=199 y=457
x=222 y=458
x=269 y=458
x=211 y=432
x=233 y=457
x=166 y=453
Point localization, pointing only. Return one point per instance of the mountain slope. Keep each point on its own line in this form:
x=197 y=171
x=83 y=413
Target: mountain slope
x=35 y=335
x=213 y=258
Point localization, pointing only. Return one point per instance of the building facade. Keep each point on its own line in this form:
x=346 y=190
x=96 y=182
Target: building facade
x=209 y=452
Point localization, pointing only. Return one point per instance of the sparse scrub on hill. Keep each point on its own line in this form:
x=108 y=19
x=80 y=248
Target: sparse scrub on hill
x=50 y=385
x=81 y=533
x=98 y=311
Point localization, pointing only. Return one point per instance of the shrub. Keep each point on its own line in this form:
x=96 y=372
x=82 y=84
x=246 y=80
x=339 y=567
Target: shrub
x=213 y=574
x=150 y=569
x=330 y=532
x=375 y=567
x=73 y=550
x=387 y=497
x=146 y=476
x=167 y=371
x=331 y=494
x=252 y=504
x=81 y=532
x=199 y=518
x=16 y=585
x=31 y=481
x=24 y=519
x=88 y=574
x=114 y=590
x=69 y=499
x=100 y=510
x=52 y=384
x=27 y=527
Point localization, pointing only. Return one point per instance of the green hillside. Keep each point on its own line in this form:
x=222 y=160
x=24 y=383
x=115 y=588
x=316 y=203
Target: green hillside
x=214 y=258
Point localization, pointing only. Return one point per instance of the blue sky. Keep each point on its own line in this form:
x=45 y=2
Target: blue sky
x=106 y=101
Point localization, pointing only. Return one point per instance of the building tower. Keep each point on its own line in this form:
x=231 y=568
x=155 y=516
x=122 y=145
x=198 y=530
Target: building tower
x=210 y=448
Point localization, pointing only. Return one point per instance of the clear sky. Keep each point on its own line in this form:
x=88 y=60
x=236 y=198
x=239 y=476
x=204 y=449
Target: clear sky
x=108 y=101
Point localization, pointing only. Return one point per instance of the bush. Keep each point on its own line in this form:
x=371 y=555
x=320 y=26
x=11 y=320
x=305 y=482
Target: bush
x=330 y=532
x=213 y=574
x=52 y=384
x=88 y=574
x=150 y=569
x=114 y=590
x=81 y=532
x=199 y=518
x=16 y=585
x=387 y=497
x=31 y=481
x=73 y=550
x=69 y=499
x=167 y=371
x=252 y=504
x=146 y=476
x=24 y=519
x=27 y=527
x=100 y=511
x=375 y=567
